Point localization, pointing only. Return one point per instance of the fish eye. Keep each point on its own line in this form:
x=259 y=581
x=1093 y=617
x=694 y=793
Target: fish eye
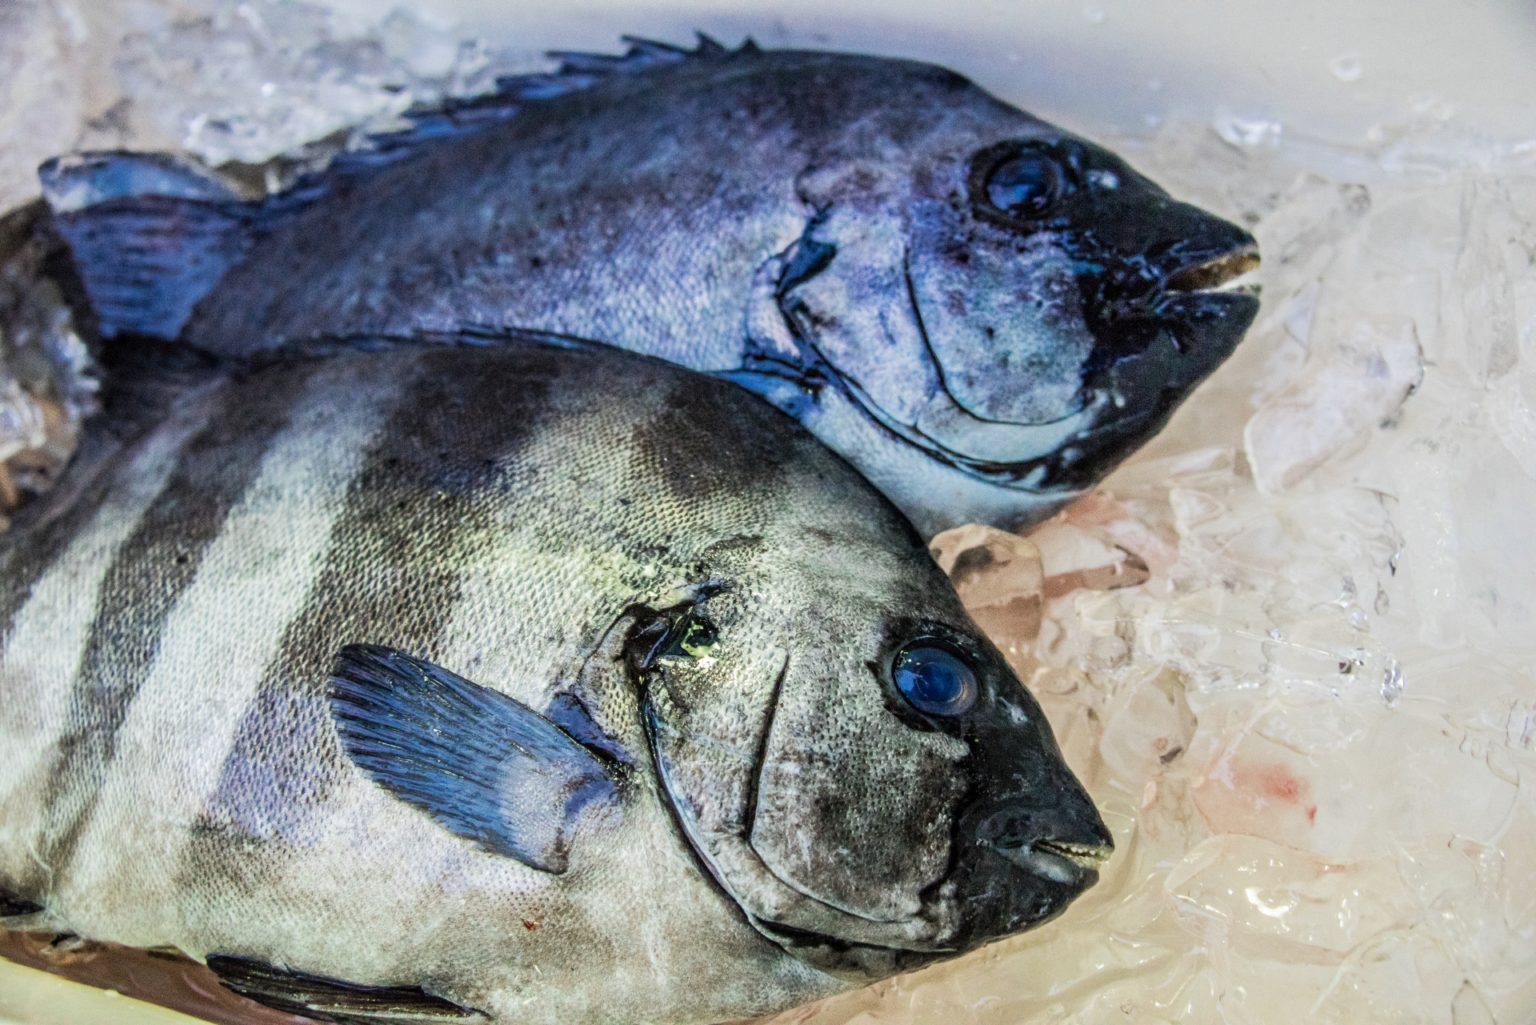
x=934 y=679
x=1027 y=183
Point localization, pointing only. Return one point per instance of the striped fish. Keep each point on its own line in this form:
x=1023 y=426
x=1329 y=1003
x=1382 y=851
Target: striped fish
x=522 y=685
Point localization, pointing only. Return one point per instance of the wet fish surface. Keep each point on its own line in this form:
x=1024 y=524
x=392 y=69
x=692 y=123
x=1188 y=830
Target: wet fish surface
x=524 y=684
x=982 y=312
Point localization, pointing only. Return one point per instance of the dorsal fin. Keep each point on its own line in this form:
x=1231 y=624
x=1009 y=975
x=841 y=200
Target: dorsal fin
x=152 y=234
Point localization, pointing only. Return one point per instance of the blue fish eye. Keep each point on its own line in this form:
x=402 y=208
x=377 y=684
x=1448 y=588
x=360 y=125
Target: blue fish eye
x=934 y=680
x=1026 y=184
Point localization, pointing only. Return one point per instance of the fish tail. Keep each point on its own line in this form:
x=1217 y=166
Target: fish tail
x=150 y=235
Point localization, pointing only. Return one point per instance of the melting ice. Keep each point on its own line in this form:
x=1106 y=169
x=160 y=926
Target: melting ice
x=1290 y=644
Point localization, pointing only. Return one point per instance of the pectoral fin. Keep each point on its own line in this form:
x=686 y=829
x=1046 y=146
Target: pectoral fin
x=331 y=1000
x=483 y=766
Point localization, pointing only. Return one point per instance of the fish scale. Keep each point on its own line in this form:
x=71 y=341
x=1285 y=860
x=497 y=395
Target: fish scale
x=148 y=574
x=54 y=573
x=428 y=723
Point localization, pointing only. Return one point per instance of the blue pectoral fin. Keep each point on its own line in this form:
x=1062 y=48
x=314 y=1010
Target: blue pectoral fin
x=482 y=765
x=150 y=234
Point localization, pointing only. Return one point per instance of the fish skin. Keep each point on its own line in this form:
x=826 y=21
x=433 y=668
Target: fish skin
x=774 y=216
x=526 y=517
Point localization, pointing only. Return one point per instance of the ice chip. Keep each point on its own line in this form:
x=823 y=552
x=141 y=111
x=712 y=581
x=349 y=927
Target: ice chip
x=999 y=577
x=1342 y=395
x=1246 y=130
x=1276 y=903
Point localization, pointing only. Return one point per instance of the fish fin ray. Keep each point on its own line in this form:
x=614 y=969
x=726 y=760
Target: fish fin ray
x=335 y=1001
x=482 y=765
x=150 y=234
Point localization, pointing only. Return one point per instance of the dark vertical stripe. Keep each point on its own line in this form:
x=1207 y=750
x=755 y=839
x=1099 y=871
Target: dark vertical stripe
x=30 y=549
x=148 y=575
x=433 y=489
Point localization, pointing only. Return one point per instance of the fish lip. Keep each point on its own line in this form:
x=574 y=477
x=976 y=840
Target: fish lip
x=1213 y=273
x=1073 y=865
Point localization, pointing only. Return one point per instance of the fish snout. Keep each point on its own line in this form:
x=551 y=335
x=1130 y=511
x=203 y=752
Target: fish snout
x=1177 y=273
x=1065 y=845
x=1024 y=861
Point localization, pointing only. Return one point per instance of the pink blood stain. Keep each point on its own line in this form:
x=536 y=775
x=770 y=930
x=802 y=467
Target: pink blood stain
x=1277 y=781
x=1260 y=798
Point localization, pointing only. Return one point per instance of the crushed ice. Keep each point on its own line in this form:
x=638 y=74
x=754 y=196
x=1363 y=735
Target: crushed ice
x=1289 y=645
x=1307 y=711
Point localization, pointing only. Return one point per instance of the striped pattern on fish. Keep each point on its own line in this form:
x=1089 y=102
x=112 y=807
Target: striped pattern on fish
x=172 y=772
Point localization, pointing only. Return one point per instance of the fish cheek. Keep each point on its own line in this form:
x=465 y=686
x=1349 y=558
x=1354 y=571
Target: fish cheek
x=1004 y=319
x=854 y=314
x=854 y=808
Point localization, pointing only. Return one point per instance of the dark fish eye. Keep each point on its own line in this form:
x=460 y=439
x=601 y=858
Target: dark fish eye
x=933 y=679
x=1027 y=184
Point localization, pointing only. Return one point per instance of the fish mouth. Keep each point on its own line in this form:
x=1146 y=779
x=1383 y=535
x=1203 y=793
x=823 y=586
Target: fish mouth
x=1074 y=865
x=1219 y=273
x=1158 y=335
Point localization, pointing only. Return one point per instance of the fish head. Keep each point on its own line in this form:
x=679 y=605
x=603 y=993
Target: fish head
x=1017 y=301
x=856 y=765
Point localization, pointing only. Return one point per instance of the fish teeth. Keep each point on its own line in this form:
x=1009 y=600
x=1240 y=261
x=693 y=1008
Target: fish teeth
x=1081 y=855
x=1223 y=270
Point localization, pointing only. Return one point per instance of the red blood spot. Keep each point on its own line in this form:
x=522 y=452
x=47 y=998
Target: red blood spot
x=1281 y=785
x=530 y=925
x=1312 y=814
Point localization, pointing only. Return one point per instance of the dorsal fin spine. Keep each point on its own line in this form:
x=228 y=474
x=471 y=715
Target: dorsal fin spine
x=151 y=235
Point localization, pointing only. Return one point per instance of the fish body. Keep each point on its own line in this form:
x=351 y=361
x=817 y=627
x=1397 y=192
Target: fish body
x=521 y=684
x=982 y=312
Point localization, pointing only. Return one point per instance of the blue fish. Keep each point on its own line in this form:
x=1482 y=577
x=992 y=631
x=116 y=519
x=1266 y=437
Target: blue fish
x=982 y=312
